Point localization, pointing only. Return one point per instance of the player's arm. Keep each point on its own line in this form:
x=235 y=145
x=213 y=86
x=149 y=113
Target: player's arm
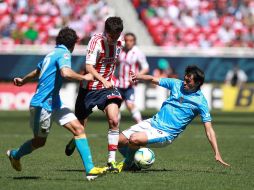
x=30 y=76
x=91 y=59
x=144 y=78
x=210 y=133
x=90 y=69
x=69 y=74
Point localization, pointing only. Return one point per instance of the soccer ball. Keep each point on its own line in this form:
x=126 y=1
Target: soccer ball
x=144 y=158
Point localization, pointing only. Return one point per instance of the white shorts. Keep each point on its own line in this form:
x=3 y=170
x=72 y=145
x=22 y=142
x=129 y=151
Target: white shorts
x=156 y=137
x=41 y=119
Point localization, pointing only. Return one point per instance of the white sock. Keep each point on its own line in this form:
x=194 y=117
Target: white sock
x=113 y=137
x=136 y=115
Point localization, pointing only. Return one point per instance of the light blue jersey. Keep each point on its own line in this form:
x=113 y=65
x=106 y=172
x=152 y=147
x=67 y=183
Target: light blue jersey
x=179 y=109
x=50 y=79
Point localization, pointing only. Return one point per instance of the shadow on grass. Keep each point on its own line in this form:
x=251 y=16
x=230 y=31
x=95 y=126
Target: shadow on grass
x=181 y=170
x=70 y=170
x=41 y=178
x=158 y=170
x=26 y=177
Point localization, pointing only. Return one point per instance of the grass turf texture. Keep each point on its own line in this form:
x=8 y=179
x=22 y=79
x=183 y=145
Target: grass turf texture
x=186 y=164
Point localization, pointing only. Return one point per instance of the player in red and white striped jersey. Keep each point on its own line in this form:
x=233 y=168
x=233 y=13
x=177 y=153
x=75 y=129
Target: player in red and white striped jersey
x=102 y=54
x=130 y=59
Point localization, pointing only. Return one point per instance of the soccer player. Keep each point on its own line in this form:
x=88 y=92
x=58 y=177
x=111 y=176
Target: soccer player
x=102 y=53
x=185 y=102
x=46 y=105
x=130 y=59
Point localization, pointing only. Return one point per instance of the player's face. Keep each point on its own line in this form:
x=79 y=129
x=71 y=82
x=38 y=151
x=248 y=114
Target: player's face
x=129 y=42
x=189 y=84
x=112 y=38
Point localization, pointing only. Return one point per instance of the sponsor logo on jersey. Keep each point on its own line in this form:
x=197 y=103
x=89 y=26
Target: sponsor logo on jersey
x=109 y=60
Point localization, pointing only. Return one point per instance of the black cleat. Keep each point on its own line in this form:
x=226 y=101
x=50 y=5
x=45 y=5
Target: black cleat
x=70 y=147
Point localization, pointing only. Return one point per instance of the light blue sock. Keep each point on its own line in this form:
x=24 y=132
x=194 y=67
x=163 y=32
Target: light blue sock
x=24 y=149
x=84 y=151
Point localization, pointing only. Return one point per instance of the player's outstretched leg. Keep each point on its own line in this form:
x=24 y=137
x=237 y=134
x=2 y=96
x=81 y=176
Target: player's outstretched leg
x=83 y=148
x=15 y=155
x=70 y=147
x=84 y=151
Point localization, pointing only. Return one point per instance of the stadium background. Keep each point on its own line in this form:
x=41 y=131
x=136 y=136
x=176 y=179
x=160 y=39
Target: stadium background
x=214 y=34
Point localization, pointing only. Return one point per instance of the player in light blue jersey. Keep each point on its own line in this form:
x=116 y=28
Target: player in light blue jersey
x=185 y=102
x=46 y=105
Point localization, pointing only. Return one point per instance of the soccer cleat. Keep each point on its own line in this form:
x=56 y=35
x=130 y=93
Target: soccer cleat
x=15 y=163
x=122 y=166
x=112 y=167
x=95 y=172
x=70 y=147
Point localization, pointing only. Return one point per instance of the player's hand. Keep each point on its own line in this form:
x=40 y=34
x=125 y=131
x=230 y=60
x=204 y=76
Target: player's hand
x=88 y=77
x=18 y=81
x=219 y=159
x=107 y=84
x=133 y=77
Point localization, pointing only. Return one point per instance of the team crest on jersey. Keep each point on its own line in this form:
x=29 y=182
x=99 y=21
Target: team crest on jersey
x=118 y=50
x=181 y=100
x=66 y=56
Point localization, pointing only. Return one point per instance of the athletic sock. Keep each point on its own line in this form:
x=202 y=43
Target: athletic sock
x=129 y=156
x=84 y=151
x=123 y=151
x=136 y=115
x=23 y=150
x=113 y=137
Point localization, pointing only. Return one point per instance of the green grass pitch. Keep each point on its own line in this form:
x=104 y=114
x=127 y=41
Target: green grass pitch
x=186 y=164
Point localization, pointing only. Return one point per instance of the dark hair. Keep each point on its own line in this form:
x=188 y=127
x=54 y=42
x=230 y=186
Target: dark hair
x=198 y=74
x=131 y=34
x=67 y=37
x=114 y=25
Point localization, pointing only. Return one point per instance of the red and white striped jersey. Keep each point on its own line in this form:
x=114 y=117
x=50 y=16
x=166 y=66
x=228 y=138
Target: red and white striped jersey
x=133 y=60
x=103 y=57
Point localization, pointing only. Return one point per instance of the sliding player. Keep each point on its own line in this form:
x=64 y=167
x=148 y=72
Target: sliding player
x=185 y=102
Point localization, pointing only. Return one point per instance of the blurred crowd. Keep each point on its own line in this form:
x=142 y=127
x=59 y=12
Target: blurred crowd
x=199 y=23
x=171 y=23
x=39 y=21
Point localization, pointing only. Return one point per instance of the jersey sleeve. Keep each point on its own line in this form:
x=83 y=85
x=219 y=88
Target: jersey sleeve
x=142 y=60
x=64 y=60
x=167 y=82
x=204 y=111
x=93 y=50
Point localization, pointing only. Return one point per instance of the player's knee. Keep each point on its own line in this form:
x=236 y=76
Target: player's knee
x=79 y=129
x=134 y=140
x=114 y=121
